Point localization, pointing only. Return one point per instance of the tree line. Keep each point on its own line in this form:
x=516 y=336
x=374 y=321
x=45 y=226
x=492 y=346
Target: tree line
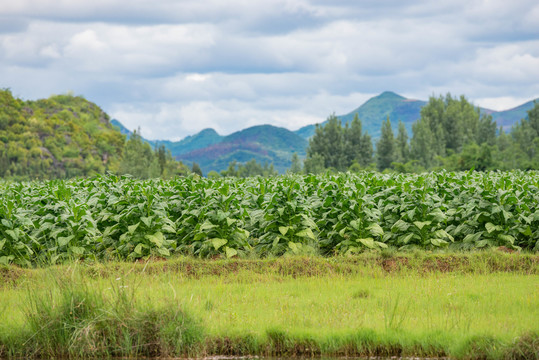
x=451 y=134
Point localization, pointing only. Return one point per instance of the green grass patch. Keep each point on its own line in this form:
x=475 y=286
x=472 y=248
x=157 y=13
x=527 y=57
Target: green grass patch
x=483 y=305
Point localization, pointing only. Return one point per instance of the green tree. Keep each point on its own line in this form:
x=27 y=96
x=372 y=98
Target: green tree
x=232 y=170
x=295 y=167
x=385 y=147
x=402 y=148
x=248 y=169
x=328 y=142
x=138 y=159
x=195 y=168
x=314 y=164
x=357 y=144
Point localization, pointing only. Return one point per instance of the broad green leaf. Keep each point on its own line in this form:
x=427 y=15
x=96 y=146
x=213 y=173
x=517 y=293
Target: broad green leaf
x=405 y=239
x=306 y=233
x=376 y=230
x=138 y=249
x=506 y=215
x=283 y=230
x=490 y=227
x=77 y=250
x=400 y=226
x=507 y=238
x=158 y=239
x=5 y=260
x=7 y=223
x=230 y=252
x=168 y=229
x=163 y=251
x=442 y=234
x=308 y=222
x=131 y=228
x=147 y=220
x=64 y=240
x=381 y=245
x=438 y=242
x=437 y=215
x=294 y=247
x=472 y=238
x=368 y=242
x=481 y=243
x=207 y=226
x=217 y=243
x=13 y=234
x=421 y=224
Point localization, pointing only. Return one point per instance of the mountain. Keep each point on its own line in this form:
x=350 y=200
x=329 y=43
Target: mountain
x=507 y=118
x=62 y=136
x=200 y=140
x=373 y=112
x=376 y=110
x=264 y=143
x=267 y=143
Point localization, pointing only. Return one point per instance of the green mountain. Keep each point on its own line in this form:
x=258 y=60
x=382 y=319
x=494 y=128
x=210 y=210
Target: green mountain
x=507 y=118
x=375 y=111
x=264 y=143
x=62 y=136
x=275 y=145
x=200 y=140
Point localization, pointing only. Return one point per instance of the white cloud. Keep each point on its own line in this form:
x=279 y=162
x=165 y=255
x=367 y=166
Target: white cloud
x=176 y=67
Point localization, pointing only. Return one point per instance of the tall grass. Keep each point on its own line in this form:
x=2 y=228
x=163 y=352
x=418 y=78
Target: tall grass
x=77 y=319
x=272 y=307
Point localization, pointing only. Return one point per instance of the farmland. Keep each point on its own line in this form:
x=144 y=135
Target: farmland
x=119 y=218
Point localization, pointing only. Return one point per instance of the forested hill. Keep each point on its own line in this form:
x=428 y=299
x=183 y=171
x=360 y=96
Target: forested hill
x=264 y=143
x=373 y=112
x=62 y=136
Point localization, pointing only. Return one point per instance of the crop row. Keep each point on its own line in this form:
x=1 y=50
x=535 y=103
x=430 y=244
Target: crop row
x=111 y=217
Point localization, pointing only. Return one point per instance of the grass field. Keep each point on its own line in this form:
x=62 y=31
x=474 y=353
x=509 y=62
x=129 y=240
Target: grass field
x=463 y=305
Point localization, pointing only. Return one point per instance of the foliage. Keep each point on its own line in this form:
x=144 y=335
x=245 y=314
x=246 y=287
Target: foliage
x=338 y=147
x=250 y=168
x=385 y=147
x=296 y=167
x=195 y=169
x=59 y=137
x=446 y=126
x=119 y=217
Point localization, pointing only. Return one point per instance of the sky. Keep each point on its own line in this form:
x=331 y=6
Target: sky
x=175 y=67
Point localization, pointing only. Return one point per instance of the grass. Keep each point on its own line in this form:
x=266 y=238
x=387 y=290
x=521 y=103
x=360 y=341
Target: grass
x=476 y=305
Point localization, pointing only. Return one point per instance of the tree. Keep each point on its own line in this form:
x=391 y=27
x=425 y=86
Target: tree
x=295 y=167
x=195 y=168
x=524 y=135
x=138 y=158
x=402 y=148
x=338 y=147
x=328 y=142
x=314 y=164
x=357 y=145
x=248 y=169
x=385 y=147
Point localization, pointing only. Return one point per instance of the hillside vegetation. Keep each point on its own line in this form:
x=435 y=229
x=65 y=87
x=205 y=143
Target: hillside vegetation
x=62 y=136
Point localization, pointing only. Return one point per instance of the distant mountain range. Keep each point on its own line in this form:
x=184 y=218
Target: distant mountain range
x=267 y=143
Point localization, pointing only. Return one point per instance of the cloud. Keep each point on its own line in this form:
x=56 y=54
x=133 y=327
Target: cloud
x=176 y=67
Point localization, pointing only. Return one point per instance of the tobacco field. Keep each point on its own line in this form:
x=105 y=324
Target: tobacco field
x=121 y=218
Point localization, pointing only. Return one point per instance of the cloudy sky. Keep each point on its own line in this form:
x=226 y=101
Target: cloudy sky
x=175 y=67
